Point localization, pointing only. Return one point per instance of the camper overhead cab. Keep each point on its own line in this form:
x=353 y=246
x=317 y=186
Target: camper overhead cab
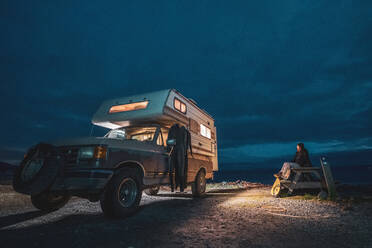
x=132 y=156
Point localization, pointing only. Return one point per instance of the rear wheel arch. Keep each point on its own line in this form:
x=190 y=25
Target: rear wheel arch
x=203 y=169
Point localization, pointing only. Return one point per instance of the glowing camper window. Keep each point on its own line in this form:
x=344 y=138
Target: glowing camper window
x=204 y=131
x=128 y=107
x=180 y=106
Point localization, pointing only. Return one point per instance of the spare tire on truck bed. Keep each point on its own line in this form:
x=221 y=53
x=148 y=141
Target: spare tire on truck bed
x=38 y=170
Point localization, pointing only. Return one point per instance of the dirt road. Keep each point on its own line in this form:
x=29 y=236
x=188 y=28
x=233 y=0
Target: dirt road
x=223 y=218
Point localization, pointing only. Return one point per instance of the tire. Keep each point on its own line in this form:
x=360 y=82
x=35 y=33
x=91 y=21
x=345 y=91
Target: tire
x=38 y=170
x=276 y=191
x=198 y=187
x=276 y=188
x=152 y=191
x=122 y=195
x=323 y=195
x=49 y=202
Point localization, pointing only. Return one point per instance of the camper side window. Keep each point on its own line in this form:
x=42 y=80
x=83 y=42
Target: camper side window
x=205 y=131
x=180 y=106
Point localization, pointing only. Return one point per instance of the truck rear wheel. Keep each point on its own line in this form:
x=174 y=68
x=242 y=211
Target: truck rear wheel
x=49 y=202
x=152 y=191
x=122 y=195
x=199 y=185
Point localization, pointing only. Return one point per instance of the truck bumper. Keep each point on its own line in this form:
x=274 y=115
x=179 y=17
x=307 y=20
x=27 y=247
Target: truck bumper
x=83 y=179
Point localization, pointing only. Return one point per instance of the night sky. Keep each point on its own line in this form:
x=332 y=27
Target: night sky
x=271 y=73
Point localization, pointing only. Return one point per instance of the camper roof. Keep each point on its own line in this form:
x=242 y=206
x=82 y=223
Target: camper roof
x=137 y=109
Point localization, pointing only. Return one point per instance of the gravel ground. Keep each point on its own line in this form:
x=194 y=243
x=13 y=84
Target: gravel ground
x=230 y=215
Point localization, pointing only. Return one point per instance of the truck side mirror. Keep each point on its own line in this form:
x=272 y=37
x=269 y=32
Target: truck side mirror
x=171 y=142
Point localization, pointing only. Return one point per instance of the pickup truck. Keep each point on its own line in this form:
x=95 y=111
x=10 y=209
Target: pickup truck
x=131 y=158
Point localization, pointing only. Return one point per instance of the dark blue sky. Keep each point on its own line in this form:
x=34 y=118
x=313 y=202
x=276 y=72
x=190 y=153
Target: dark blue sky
x=272 y=73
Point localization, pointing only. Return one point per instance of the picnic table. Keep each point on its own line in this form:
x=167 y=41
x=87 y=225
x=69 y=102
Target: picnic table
x=317 y=178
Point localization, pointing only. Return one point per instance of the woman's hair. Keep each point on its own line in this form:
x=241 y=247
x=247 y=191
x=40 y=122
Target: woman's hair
x=302 y=146
x=303 y=149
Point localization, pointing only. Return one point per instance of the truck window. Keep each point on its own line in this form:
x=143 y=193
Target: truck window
x=145 y=136
x=128 y=107
x=164 y=133
x=160 y=140
x=133 y=133
x=180 y=106
x=205 y=131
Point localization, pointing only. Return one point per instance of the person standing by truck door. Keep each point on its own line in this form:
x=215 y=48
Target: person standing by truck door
x=186 y=136
x=179 y=160
x=173 y=134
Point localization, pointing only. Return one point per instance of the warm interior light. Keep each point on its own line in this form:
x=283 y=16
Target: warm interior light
x=183 y=108
x=177 y=104
x=205 y=131
x=128 y=107
x=180 y=106
x=100 y=152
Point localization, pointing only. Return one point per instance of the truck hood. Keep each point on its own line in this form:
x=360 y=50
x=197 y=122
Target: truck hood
x=82 y=141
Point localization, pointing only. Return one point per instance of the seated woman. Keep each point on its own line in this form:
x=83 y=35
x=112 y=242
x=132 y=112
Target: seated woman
x=301 y=159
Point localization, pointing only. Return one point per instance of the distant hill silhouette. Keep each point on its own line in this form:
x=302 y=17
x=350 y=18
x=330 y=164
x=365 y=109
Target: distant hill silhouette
x=336 y=159
x=6 y=166
x=6 y=172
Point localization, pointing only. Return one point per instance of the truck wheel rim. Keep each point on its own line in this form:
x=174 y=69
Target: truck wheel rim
x=127 y=192
x=277 y=190
x=202 y=183
x=31 y=168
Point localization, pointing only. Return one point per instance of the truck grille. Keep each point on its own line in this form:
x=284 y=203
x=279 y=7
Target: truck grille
x=70 y=156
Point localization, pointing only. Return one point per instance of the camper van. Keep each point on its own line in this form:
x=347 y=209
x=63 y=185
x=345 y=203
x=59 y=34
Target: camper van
x=132 y=157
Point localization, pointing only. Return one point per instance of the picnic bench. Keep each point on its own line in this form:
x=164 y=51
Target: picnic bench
x=317 y=178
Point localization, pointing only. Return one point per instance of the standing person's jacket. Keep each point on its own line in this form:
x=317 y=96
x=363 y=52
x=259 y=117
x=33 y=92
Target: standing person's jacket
x=178 y=161
x=186 y=138
x=302 y=158
x=172 y=134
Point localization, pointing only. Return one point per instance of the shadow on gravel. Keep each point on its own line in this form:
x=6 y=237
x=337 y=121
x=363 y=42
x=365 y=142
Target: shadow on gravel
x=225 y=191
x=173 y=195
x=210 y=193
x=17 y=218
x=151 y=226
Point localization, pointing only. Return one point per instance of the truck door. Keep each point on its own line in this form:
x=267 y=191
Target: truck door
x=162 y=166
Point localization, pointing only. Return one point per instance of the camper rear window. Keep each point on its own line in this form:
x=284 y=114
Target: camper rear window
x=205 y=131
x=180 y=106
x=128 y=107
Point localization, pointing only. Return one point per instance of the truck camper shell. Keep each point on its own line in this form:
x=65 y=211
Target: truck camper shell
x=165 y=107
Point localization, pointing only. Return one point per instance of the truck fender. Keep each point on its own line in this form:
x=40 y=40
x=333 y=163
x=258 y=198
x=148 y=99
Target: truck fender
x=131 y=164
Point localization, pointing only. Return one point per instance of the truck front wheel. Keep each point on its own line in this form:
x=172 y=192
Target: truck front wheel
x=122 y=195
x=199 y=185
x=49 y=202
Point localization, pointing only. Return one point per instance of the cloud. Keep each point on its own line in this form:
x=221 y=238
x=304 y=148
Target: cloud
x=268 y=73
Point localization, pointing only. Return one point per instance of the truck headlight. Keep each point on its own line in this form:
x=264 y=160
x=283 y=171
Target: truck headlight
x=86 y=152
